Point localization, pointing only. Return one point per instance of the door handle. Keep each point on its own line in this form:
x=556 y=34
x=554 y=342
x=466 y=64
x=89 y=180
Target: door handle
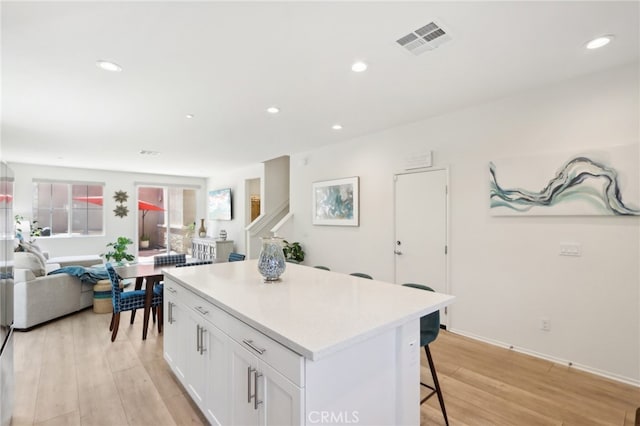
x=256 y=402
x=249 y=371
x=398 y=252
x=203 y=349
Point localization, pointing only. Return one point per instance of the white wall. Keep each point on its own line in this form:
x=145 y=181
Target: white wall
x=505 y=272
x=276 y=183
x=114 y=181
x=236 y=181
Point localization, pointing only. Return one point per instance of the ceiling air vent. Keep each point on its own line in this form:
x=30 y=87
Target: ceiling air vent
x=425 y=38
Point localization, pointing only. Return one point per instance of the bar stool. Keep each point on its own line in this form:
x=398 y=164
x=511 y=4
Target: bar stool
x=429 y=329
x=361 y=275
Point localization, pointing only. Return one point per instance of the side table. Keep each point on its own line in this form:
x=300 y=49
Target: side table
x=102 y=297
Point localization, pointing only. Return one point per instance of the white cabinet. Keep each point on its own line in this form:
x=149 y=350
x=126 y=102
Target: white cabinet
x=210 y=248
x=196 y=351
x=175 y=345
x=216 y=375
x=196 y=348
x=259 y=394
x=313 y=348
x=228 y=373
x=244 y=375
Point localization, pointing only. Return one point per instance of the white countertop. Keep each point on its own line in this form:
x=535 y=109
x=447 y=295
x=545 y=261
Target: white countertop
x=311 y=311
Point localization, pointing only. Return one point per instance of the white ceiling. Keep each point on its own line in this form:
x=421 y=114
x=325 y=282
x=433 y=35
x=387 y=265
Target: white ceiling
x=225 y=62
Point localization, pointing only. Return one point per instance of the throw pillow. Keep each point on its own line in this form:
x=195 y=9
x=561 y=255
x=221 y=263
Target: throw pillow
x=33 y=248
x=24 y=260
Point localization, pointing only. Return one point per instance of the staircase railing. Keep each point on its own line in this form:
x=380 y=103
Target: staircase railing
x=262 y=227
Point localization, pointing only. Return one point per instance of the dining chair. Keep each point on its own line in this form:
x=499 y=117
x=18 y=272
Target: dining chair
x=166 y=259
x=158 y=289
x=429 y=329
x=128 y=301
x=361 y=275
x=170 y=259
x=236 y=257
x=199 y=262
x=324 y=268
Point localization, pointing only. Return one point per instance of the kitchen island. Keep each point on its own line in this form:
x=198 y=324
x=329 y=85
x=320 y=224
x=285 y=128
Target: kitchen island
x=316 y=347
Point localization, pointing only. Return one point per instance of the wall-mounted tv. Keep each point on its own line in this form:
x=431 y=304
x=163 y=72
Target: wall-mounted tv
x=220 y=204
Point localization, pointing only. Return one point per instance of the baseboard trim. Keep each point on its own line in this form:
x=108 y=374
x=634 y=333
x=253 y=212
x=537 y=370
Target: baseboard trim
x=565 y=362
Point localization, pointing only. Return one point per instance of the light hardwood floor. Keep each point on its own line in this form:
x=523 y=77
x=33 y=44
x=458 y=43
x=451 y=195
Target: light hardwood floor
x=69 y=373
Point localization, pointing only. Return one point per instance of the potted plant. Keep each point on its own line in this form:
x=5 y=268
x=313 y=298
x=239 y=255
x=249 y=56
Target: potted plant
x=293 y=252
x=144 y=241
x=118 y=251
x=34 y=229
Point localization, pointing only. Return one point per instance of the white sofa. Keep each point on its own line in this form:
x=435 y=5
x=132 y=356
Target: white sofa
x=38 y=297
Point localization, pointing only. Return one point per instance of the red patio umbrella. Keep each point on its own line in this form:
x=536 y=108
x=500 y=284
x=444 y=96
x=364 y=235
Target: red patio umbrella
x=142 y=205
x=146 y=207
x=95 y=199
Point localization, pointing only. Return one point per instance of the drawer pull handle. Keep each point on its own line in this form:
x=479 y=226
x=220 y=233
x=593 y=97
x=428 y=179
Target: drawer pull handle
x=171 y=290
x=202 y=310
x=254 y=347
x=198 y=336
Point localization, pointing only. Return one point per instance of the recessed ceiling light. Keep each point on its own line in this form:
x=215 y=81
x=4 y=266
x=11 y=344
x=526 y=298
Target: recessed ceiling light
x=108 y=65
x=337 y=127
x=599 y=42
x=273 y=110
x=189 y=116
x=359 y=66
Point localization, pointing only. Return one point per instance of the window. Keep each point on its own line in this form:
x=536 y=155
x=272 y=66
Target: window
x=63 y=208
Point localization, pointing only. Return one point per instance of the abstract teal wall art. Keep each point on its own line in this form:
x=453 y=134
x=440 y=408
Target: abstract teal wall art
x=598 y=183
x=335 y=202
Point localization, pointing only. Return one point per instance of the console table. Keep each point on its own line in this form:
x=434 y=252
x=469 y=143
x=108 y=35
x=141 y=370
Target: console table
x=211 y=248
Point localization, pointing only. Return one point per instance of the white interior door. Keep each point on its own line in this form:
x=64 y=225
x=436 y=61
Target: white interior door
x=421 y=230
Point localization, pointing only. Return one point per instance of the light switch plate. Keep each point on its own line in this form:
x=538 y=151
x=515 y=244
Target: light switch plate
x=570 y=249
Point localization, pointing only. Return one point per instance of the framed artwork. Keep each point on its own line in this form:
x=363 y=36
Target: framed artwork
x=603 y=182
x=220 y=204
x=335 y=202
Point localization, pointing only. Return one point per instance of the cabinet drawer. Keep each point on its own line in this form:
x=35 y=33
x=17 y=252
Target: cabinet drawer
x=282 y=359
x=173 y=291
x=205 y=309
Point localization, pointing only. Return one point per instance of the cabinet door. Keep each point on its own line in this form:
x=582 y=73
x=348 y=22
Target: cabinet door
x=281 y=399
x=196 y=360
x=243 y=407
x=174 y=335
x=217 y=375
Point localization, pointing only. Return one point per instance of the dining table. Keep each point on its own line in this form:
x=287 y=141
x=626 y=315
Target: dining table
x=150 y=274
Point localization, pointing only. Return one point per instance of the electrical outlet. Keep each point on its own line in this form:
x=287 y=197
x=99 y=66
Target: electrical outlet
x=545 y=324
